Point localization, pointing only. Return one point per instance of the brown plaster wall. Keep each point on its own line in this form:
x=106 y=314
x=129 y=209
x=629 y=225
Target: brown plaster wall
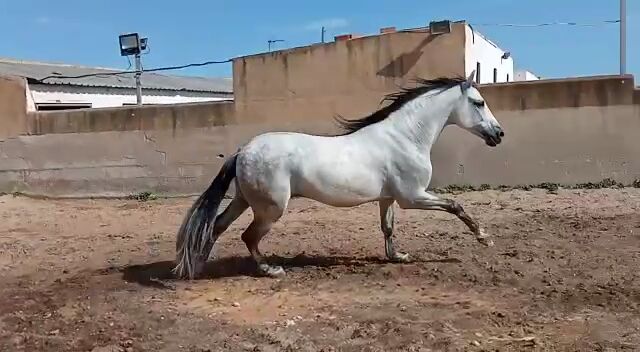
x=13 y=107
x=346 y=77
x=565 y=145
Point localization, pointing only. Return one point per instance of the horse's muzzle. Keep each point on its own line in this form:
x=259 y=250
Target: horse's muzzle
x=494 y=139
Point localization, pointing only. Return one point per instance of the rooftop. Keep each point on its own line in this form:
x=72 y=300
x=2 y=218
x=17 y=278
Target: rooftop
x=36 y=71
x=354 y=36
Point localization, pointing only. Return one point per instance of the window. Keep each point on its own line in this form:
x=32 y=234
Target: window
x=495 y=75
x=62 y=106
x=478 y=73
x=507 y=77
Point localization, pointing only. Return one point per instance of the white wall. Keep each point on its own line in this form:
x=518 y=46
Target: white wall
x=113 y=97
x=480 y=49
x=524 y=75
x=31 y=105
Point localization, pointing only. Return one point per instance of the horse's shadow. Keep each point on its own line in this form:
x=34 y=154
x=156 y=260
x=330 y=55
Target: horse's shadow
x=159 y=274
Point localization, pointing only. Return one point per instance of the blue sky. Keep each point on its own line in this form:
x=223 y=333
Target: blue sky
x=85 y=31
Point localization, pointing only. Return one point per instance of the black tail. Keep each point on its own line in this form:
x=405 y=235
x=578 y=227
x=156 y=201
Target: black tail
x=194 y=241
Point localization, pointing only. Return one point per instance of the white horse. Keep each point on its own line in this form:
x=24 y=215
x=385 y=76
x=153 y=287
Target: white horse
x=383 y=157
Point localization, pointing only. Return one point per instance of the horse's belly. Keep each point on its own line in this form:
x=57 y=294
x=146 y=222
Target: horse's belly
x=337 y=200
x=338 y=189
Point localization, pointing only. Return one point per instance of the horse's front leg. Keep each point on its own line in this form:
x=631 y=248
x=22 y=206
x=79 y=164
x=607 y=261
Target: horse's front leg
x=386 y=224
x=427 y=201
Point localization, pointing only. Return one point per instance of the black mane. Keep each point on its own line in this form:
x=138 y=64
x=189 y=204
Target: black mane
x=397 y=100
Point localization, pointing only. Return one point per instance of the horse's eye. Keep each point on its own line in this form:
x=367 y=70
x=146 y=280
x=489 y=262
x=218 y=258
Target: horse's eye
x=478 y=103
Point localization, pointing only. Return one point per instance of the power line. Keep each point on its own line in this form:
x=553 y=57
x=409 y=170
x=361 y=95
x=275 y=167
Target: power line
x=593 y=24
x=206 y=63
x=167 y=68
x=521 y=25
x=419 y=29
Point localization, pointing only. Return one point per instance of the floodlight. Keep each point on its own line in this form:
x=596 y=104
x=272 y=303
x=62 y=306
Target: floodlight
x=129 y=44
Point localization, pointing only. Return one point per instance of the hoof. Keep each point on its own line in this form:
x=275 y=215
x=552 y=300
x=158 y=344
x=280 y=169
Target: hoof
x=271 y=271
x=483 y=238
x=400 y=258
x=486 y=241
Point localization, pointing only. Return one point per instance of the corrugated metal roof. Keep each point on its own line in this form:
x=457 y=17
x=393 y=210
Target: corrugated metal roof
x=36 y=71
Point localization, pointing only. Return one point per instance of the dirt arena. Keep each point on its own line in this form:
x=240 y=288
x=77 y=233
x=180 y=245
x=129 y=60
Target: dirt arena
x=94 y=275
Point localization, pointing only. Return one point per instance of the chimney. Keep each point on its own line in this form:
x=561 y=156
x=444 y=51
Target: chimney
x=386 y=30
x=343 y=37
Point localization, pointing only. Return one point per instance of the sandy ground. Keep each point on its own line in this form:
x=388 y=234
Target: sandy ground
x=95 y=276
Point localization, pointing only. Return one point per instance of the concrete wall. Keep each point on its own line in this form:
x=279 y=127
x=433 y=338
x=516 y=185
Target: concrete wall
x=561 y=93
x=566 y=131
x=346 y=77
x=181 y=160
x=13 y=107
x=562 y=145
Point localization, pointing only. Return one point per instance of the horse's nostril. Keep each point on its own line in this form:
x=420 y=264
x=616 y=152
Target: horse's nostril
x=501 y=134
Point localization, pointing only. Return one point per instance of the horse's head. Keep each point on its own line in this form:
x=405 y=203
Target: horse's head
x=472 y=113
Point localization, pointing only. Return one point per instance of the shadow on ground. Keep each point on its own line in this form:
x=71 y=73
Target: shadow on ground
x=159 y=274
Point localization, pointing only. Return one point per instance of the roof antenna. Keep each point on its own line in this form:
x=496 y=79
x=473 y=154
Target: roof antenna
x=272 y=41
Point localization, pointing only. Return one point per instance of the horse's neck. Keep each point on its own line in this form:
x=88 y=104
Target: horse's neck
x=421 y=121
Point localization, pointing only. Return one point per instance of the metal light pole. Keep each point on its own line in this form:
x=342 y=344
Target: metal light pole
x=623 y=37
x=138 y=84
x=132 y=44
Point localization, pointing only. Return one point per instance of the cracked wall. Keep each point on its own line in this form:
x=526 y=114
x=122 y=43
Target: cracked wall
x=565 y=145
x=120 y=163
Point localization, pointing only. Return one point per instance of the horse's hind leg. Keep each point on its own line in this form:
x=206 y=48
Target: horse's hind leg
x=386 y=223
x=261 y=225
x=236 y=207
x=251 y=237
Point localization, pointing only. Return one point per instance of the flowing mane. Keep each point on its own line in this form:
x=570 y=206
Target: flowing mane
x=397 y=99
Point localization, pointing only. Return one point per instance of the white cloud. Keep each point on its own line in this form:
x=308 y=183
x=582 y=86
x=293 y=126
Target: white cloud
x=327 y=23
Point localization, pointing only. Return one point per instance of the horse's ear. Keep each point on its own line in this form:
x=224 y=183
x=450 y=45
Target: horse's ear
x=471 y=76
x=469 y=82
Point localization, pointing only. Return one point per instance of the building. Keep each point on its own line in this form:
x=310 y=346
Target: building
x=350 y=75
x=524 y=75
x=49 y=88
x=492 y=64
